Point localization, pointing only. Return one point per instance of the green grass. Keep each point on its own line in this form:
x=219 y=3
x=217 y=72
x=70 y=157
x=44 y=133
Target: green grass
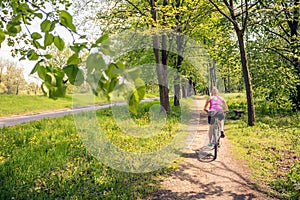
x=271 y=148
x=47 y=159
x=22 y=104
x=26 y=104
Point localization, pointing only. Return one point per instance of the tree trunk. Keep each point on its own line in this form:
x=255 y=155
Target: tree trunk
x=294 y=26
x=161 y=64
x=225 y=84
x=184 y=88
x=228 y=84
x=177 y=91
x=164 y=82
x=17 y=89
x=190 y=88
x=247 y=78
x=161 y=76
x=177 y=95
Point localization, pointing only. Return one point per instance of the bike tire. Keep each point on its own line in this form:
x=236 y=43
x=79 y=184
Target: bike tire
x=215 y=139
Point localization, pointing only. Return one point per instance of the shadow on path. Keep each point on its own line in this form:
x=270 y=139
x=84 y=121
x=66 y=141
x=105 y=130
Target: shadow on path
x=224 y=178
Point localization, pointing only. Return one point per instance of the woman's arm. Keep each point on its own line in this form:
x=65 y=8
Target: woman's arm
x=226 y=106
x=206 y=104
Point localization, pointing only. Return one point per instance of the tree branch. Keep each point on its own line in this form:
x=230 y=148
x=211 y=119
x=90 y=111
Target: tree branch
x=277 y=34
x=224 y=14
x=244 y=21
x=279 y=53
x=135 y=7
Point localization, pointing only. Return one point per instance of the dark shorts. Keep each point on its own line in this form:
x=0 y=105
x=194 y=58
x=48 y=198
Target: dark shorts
x=212 y=115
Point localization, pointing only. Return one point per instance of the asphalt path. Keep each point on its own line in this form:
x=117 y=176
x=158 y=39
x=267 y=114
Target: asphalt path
x=11 y=121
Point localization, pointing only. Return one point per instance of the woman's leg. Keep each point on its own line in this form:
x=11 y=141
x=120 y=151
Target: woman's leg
x=221 y=124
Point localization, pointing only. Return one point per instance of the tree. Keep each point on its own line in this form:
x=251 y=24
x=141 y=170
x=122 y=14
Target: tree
x=33 y=88
x=238 y=15
x=12 y=78
x=282 y=29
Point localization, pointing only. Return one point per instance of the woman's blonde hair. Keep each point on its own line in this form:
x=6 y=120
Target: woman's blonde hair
x=215 y=90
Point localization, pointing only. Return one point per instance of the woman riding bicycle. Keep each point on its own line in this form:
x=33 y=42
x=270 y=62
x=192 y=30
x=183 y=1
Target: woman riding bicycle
x=216 y=104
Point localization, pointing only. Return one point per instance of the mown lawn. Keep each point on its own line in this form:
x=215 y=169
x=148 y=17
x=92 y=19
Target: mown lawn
x=47 y=159
x=271 y=148
x=25 y=104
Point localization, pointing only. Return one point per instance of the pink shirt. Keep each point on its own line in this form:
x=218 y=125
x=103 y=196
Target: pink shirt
x=216 y=103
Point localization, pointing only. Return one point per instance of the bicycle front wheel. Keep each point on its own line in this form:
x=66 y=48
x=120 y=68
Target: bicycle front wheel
x=215 y=143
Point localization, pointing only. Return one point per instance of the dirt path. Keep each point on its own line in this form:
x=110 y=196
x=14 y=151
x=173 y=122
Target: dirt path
x=225 y=178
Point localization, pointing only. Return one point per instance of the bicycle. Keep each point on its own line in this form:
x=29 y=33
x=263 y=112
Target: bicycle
x=216 y=135
x=215 y=140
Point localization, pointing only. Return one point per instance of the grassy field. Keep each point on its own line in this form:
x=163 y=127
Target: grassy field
x=47 y=159
x=271 y=148
x=25 y=104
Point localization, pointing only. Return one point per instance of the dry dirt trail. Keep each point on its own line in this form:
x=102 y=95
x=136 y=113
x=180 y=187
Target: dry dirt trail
x=225 y=178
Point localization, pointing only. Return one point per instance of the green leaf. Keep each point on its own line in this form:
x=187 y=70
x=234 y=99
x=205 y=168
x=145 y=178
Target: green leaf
x=48 y=56
x=48 y=39
x=139 y=83
x=110 y=71
x=58 y=72
x=37 y=44
x=36 y=36
x=141 y=91
x=102 y=38
x=13 y=28
x=2 y=37
x=114 y=81
x=41 y=70
x=50 y=78
x=74 y=74
x=36 y=67
x=133 y=102
x=78 y=47
x=120 y=65
x=59 y=43
x=47 y=26
x=39 y=15
x=32 y=55
x=74 y=59
x=59 y=91
x=95 y=62
x=66 y=20
x=44 y=89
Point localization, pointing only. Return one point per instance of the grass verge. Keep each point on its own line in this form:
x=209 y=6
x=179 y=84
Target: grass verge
x=271 y=148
